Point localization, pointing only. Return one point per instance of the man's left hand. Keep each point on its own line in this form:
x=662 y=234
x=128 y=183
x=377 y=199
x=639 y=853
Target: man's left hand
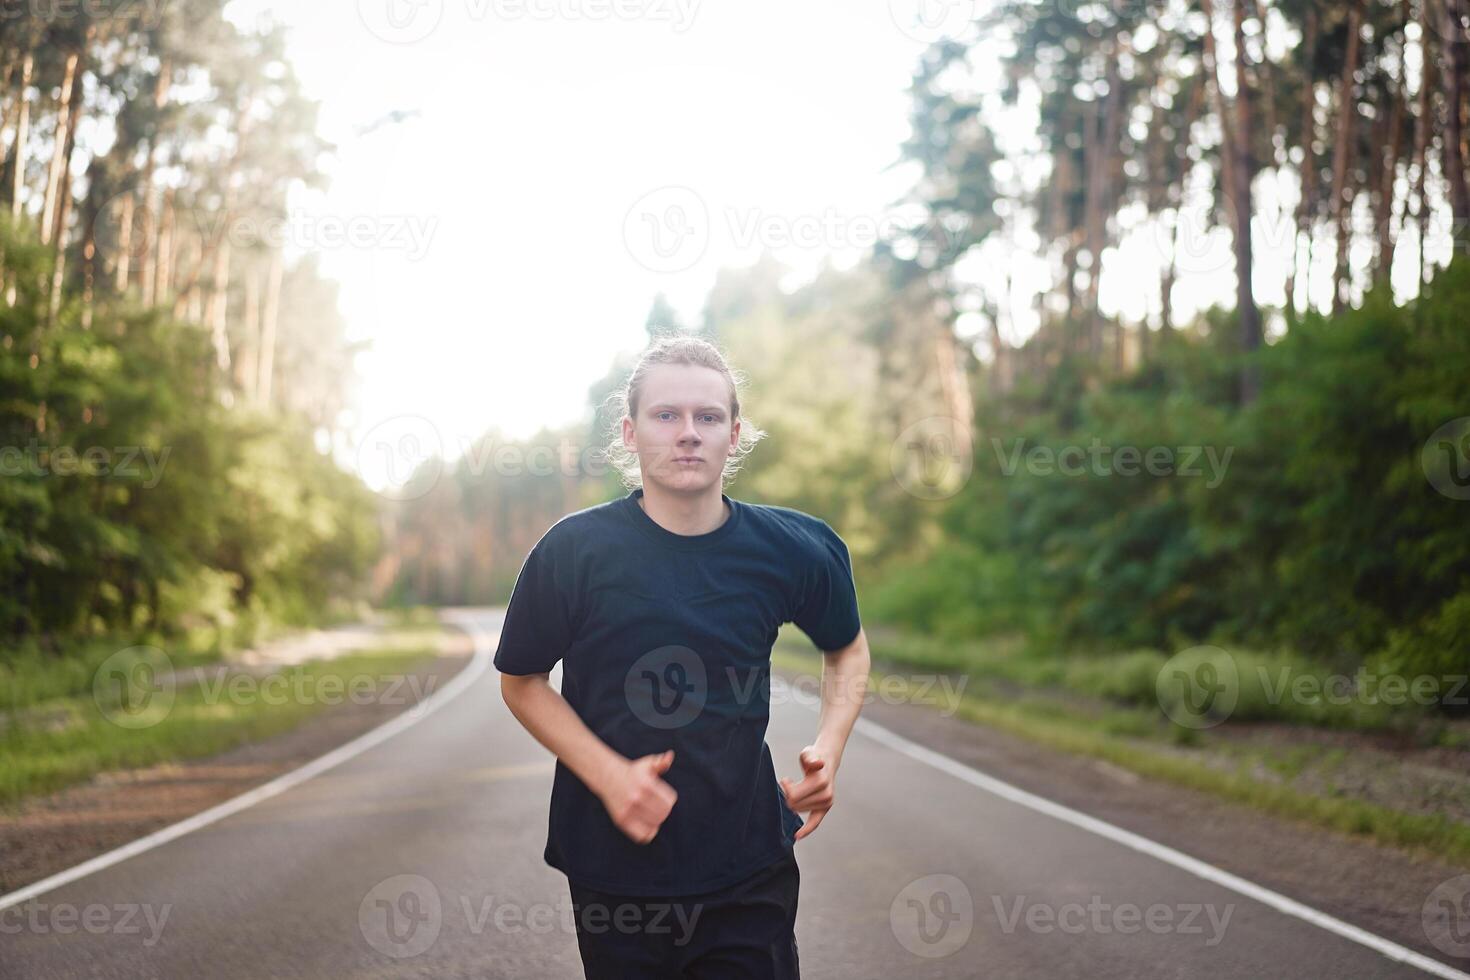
x=813 y=793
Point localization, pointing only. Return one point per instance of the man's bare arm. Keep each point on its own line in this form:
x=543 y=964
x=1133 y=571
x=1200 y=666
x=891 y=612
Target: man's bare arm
x=844 y=687
x=635 y=797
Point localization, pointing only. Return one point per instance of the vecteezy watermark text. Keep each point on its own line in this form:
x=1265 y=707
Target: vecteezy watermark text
x=97 y=918
x=37 y=459
x=1100 y=917
x=402 y=916
x=137 y=687
x=1098 y=459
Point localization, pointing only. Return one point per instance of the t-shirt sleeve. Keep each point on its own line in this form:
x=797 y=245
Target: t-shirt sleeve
x=539 y=624
x=828 y=613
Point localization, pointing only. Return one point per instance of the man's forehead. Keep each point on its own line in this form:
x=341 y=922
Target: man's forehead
x=690 y=390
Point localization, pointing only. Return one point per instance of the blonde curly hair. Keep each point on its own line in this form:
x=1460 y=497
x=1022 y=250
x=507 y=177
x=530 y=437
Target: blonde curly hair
x=623 y=403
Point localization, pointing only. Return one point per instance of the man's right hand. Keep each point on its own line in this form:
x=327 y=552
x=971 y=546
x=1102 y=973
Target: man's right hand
x=638 y=800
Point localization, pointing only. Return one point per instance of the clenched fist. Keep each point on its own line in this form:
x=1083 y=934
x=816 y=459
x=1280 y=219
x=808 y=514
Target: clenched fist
x=638 y=800
x=814 y=794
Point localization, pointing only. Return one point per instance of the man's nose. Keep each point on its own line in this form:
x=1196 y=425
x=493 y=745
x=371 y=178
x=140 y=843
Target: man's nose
x=689 y=433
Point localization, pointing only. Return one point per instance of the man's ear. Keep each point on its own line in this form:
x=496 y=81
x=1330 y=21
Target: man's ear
x=630 y=441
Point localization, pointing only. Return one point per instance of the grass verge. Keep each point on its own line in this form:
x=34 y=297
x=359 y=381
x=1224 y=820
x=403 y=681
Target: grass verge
x=63 y=740
x=1142 y=742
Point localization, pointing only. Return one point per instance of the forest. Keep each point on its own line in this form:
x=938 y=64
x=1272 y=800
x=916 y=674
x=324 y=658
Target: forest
x=147 y=316
x=1311 y=155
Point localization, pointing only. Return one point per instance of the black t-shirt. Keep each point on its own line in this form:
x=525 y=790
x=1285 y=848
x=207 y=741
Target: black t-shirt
x=666 y=642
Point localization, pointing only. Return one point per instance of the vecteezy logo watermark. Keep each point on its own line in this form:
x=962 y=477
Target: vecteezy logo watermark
x=667 y=688
x=64 y=918
x=932 y=916
x=134 y=687
x=131 y=462
x=1098 y=459
x=667 y=229
x=1198 y=687
x=406 y=452
x=1100 y=917
x=401 y=21
x=1446 y=917
x=928 y=21
x=1446 y=459
x=401 y=916
x=933 y=458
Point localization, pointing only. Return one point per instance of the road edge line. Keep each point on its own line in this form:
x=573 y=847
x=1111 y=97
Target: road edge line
x=342 y=753
x=1151 y=848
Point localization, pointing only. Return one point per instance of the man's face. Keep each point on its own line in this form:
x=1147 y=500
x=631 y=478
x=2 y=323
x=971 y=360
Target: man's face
x=683 y=433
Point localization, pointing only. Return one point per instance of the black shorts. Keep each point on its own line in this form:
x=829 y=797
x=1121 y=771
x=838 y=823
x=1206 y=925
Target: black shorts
x=747 y=929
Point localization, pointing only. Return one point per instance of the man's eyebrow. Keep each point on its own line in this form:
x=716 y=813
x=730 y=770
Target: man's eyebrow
x=702 y=408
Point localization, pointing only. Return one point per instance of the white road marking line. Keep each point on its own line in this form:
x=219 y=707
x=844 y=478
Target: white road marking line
x=1143 y=845
x=457 y=684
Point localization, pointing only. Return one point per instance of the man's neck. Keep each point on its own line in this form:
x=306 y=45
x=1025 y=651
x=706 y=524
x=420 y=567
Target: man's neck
x=686 y=514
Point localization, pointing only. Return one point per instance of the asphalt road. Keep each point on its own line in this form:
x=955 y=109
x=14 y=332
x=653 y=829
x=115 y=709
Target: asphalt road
x=421 y=857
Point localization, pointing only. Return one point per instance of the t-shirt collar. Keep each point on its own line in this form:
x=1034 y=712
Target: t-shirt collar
x=661 y=535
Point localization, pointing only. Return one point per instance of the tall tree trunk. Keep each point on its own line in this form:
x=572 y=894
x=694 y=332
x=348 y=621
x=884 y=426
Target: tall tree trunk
x=1195 y=108
x=1306 y=207
x=1112 y=122
x=1267 y=75
x=1228 y=158
x=12 y=106
x=63 y=213
x=217 y=307
x=1076 y=340
x=247 y=365
x=188 y=244
x=1388 y=174
x=954 y=384
x=1250 y=315
x=1095 y=165
x=269 y=316
x=89 y=254
x=1421 y=131
x=163 y=268
x=54 y=176
x=124 y=241
x=1456 y=69
x=22 y=134
x=1170 y=276
x=1342 y=195
x=146 y=278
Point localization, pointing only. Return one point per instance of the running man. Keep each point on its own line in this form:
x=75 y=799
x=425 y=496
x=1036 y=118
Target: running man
x=676 y=837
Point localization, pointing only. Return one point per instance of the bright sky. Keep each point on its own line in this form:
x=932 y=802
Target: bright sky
x=569 y=159
x=561 y=161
